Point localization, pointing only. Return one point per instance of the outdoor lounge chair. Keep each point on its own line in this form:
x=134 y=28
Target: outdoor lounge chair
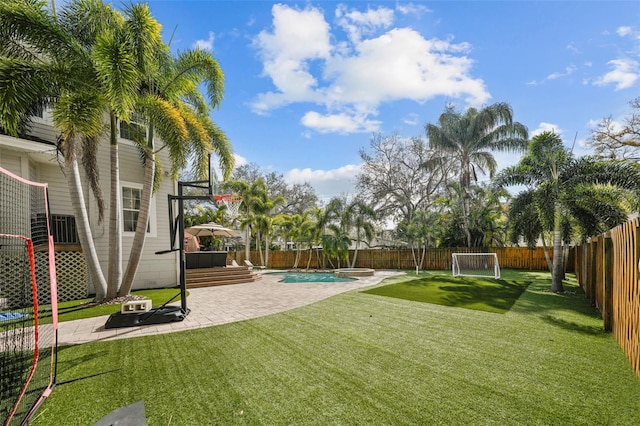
x=251 y=265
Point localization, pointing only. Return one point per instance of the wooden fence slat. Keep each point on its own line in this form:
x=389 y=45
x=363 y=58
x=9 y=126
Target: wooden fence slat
x=607 y=268
x=435 y=259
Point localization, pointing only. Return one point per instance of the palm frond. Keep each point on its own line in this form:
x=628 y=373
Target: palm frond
x=199 y=66
x=117 y=73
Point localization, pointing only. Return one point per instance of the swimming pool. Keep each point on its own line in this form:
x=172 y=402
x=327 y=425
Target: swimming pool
x=312 y=277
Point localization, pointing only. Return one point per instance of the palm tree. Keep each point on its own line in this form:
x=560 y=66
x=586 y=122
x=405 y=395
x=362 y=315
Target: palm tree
x=301 y=230
x=178 y=114
x=360 y=217
x=253 y=204
x=486 y=216
x=336 y=244
x=469 y=139
x=46 y=61
x=264 y=207
x=92 y=50
x=419 y=232
x=564 y=190
x=123 y=55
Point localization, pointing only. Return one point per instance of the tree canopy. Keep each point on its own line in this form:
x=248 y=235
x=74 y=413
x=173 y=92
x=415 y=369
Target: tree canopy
x=564 y=193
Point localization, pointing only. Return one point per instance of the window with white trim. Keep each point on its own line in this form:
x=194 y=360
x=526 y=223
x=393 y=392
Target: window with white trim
x=131 y=199
x=133 y=128
x=41 y=114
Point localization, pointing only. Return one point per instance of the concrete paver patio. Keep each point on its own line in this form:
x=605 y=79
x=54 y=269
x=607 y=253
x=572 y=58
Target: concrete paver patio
x=220 y=305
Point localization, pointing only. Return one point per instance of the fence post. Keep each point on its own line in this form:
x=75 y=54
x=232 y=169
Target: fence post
x=593 y=275
x=607 y=305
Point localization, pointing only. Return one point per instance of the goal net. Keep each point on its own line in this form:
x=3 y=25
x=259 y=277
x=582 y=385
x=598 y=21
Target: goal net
x=475 y=265
x=28 y=301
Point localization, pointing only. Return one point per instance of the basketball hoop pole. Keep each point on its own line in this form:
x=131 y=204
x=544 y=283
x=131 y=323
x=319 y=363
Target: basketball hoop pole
x=176 y=226
x=179 y=231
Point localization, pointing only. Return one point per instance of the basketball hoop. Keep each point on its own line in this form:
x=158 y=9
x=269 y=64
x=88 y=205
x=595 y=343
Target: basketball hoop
x=232 y=203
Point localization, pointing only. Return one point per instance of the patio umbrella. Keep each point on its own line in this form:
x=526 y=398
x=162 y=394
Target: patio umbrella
x=211 y=229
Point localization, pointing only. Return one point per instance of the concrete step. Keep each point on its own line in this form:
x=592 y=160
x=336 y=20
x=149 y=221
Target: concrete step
x=220 y=276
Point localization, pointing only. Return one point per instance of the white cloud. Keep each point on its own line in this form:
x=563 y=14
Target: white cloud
x=412 y=9
x=339 y=123
x=356 y=23
x=402 y=64
x=573 y=48
x=624 y=31
x=546 y=127
x=567 y=71
x=240 y=160
x=411 y=119
x=298 y=38
x=205 y=44
x=327 y=183
x=625 y=73
x=351 y=79
x=554 y=76
x=617 y=125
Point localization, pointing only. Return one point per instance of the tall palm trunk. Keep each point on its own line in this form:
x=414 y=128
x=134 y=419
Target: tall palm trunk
x=467 y=208
x=139 y=238
x=247 y=243
x=558 y=267
x=115 y=219
x=297 y=259
x=413 y=254
x=545 y=249
x=84 y=230
x=355 y=252
x=466 y=199
x=259 y=246
x=310 y=256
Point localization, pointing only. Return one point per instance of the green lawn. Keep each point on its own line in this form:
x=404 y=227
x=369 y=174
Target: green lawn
x=483 y=294
x=79 y=309
x=362 y=359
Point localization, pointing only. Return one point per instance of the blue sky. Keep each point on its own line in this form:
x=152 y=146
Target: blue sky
x=308 y=83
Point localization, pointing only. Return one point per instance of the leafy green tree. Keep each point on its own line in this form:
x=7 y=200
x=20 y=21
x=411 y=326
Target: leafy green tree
x=487 y=217
x=359 y=218
x=336 y=243
x=301 y=234
x=419 y=233
x=587 y=192
x=299 y=197
x=258 y=209
x=468 y=140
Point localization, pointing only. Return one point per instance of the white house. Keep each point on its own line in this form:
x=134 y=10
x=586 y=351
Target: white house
x=36 y=159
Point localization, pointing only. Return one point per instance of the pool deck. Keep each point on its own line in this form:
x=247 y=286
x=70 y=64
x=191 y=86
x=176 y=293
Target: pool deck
x=218 y=305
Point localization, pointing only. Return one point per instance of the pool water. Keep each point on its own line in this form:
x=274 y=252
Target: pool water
x=313 y=277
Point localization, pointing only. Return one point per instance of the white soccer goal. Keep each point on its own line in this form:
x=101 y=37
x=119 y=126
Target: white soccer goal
x=475 y=265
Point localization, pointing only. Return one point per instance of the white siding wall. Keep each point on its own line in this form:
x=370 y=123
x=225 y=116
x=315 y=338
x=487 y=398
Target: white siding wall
x=58 y=192
x=155 y=270
x=10 y=160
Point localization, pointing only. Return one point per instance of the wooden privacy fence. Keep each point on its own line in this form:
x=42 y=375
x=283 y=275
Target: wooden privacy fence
x=435 y=259
x=607 y=270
